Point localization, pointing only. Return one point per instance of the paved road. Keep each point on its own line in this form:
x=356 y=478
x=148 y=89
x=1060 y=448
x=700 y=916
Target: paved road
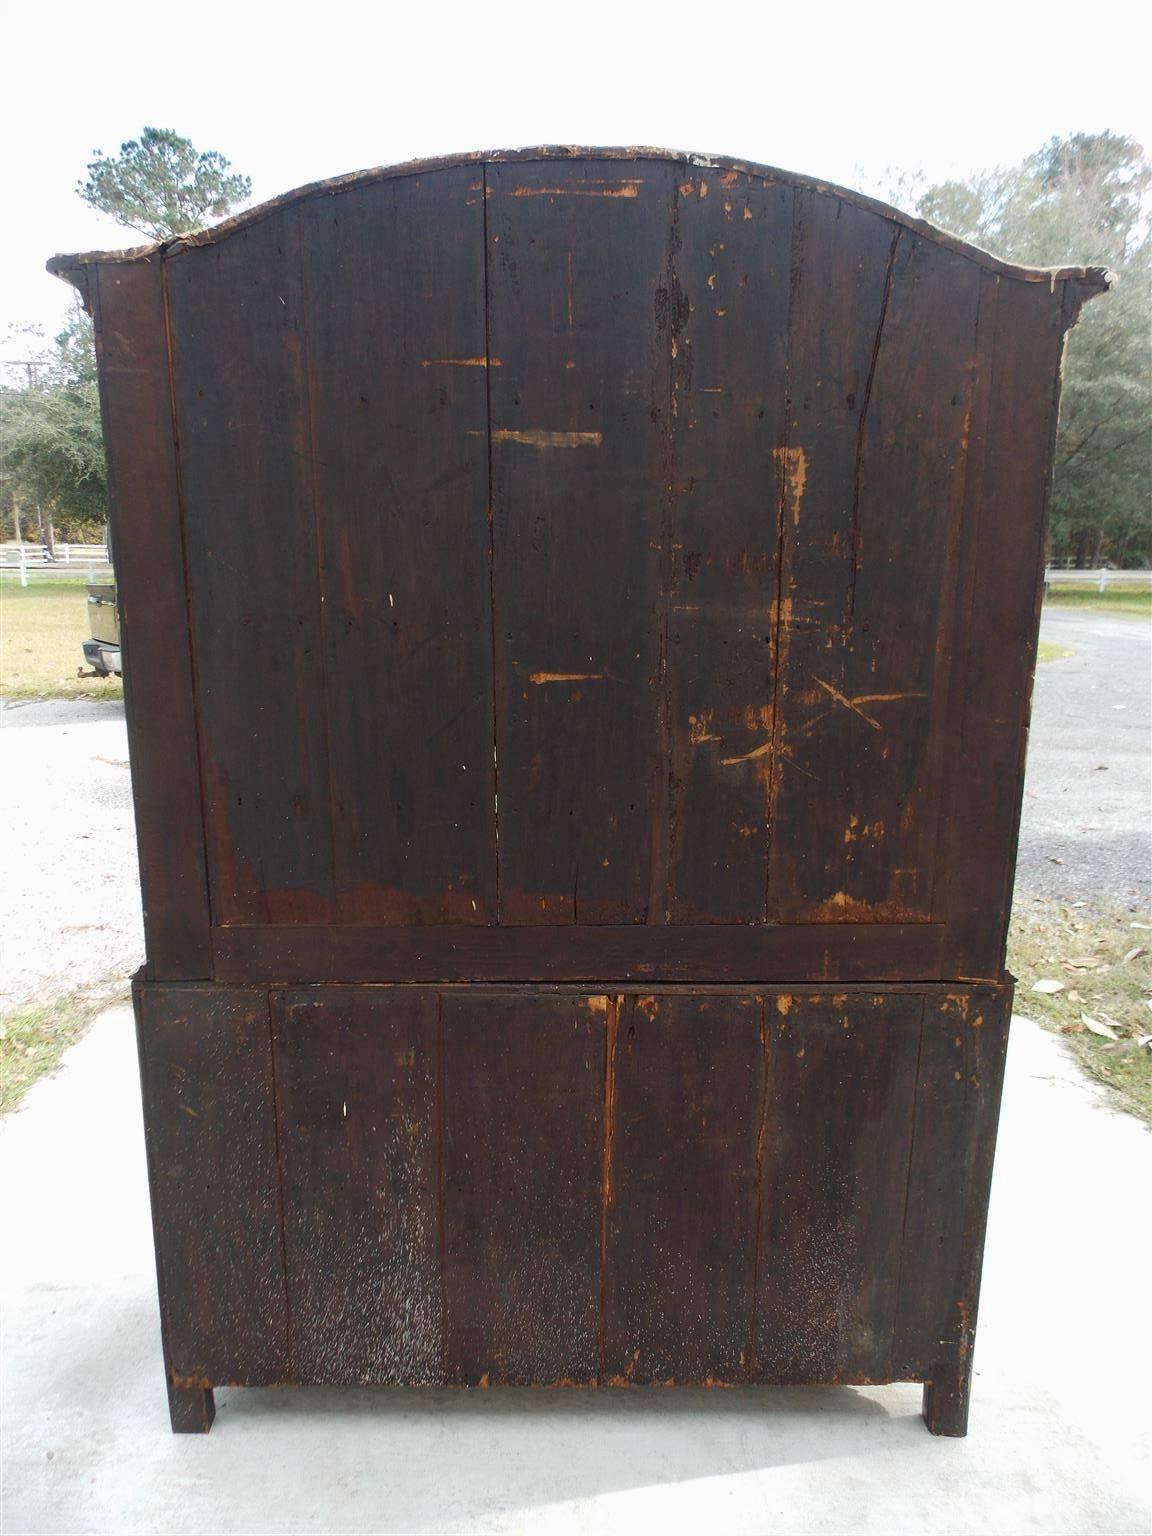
x=1086 y=830
x=69 y=899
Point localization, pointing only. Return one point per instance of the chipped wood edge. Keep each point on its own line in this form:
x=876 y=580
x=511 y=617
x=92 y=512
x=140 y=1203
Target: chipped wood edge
x=1093 y=280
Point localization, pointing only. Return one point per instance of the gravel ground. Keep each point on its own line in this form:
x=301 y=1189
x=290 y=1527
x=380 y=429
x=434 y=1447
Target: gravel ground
x=69 y=904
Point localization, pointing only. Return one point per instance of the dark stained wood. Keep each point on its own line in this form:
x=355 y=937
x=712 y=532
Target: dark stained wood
x=580 y=610
x=681 y=1188
x=960 y=1075
x=880 y=380
x=579 y=430
x=209 y=1111
x=730 y=299
x=1020 y=347
x=356 y=1076
x=243 y=413
x=837 y=1134
x=144 y=511
x=398 y=385
x=523 y=1115
x=191 y=1409
x=706 y=952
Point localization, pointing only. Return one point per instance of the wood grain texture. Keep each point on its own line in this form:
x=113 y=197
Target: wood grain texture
x=209 y=1110
x=398 y=384
x=240 y=364
x=731 y=268
x=523 y=1132
x=1005 y=510
x=959 y=1081
x=880 y=379
x=145 y=518
x=837 y=1137
x=579 y=490
x=681 y=1188
x=357 y=1089
x=704 y=952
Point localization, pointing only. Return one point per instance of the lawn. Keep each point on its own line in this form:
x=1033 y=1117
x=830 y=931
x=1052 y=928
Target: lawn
x=42 y=627
x=1096 y=975
x=1136 y=601
x=33 y=1039
x=1048 y=650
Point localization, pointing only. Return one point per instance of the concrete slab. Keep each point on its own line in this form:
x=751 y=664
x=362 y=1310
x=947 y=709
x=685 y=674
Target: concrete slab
x=1059 y=1411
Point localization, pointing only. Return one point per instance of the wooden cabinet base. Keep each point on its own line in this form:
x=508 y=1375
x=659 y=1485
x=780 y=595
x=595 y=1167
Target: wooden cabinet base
x=192 y=1409
x=555 y=1186
x=946 y=1400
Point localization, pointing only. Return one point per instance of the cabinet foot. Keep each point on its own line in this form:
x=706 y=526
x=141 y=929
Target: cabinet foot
x=946 y=1400
x=192 y=1409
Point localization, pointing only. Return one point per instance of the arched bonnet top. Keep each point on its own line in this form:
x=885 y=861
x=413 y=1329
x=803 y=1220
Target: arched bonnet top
x=70 y=267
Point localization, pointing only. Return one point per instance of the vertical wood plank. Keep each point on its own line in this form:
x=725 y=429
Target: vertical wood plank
x=837 y=1134
x=959 y=1082
x=578 y=315
x=394 y=300
x=731 y=264
x=688 y=1095
x=145 y=517
x=1021 y=341
x=523 y=1127
x=881 y=373
x=209 y=1110
x=356 y=1076
x=243 y=412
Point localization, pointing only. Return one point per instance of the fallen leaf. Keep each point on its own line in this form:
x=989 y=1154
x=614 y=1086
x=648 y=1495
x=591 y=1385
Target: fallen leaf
x=1134 y=954
x=1075 y=997
x=1082 y=963
x=1047 y=986
x=1097 y=1028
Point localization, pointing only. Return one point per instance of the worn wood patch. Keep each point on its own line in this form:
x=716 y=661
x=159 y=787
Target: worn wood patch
x=579 y=491
x=398 y=389
x=959 y=1080
x=731 y=274
x=523 y=1138
x=206 y=1067
x=144 y=509
x=243 y=414
x=681 y=1188
x=357 y=1092
x=837 y=1136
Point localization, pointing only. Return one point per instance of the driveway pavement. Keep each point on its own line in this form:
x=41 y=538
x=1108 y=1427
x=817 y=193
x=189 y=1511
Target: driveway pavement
x=1059 y=1409
x=1086 y=830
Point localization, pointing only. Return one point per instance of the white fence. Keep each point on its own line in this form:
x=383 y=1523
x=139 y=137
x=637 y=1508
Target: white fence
x=86 y=562
x=1101 y=580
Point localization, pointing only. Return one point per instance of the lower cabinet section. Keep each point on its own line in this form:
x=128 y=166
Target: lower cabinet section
x=483 y=1186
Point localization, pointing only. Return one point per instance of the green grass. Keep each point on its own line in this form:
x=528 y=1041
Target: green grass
x=42 y=627
x=1128 y=600
x=33 y=1039
x=1048 y=651
x=1048 y=941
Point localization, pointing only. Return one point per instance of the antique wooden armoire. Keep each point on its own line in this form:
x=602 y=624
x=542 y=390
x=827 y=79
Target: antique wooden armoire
x=579 y=611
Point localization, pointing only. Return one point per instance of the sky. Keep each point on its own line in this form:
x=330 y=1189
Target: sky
x=293 y=94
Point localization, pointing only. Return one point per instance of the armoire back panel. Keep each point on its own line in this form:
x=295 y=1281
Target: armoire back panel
x=583 y=543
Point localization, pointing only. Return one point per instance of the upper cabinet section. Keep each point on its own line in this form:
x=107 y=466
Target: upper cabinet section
x=605 y=538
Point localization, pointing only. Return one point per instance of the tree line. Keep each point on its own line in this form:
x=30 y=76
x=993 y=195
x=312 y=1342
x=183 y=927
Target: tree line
x=1082 y=199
